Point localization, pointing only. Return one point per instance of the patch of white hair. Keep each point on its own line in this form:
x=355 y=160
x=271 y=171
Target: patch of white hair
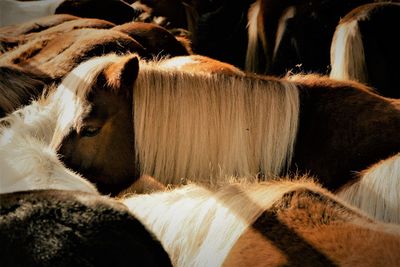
x=26 y=160
x=377 y=191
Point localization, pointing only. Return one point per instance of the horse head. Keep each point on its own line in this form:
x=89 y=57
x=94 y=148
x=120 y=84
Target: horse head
x=92 y=137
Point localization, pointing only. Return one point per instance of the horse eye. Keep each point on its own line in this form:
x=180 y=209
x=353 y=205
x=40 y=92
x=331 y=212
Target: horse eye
x=89 y=131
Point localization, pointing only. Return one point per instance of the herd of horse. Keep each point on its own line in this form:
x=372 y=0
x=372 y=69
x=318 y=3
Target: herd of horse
x=200 y=133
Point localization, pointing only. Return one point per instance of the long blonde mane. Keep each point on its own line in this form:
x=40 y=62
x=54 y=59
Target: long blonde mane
x=209 y=126
x=347 y=53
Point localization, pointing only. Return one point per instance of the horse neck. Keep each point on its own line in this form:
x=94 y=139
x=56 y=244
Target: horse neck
x=227 y=125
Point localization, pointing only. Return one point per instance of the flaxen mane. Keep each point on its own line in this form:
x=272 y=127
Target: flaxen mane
x=204 y=126
x=198 y=125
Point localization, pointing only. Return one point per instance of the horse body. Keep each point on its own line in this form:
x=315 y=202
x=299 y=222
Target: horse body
x=70 y=228
x=264 y=224
x=365 y=49
x=228 y=125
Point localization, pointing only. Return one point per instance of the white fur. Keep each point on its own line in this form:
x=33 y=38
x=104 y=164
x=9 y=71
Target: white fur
x=347 y=53
x=15 y=12
x=378 y=191
x=26 y=160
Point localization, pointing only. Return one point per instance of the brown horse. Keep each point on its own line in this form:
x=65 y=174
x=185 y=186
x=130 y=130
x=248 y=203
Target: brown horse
x=364 y=47
x=129 y=118
x=264 y=224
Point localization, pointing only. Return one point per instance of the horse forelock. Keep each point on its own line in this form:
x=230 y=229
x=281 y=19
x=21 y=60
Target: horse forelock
x=209 y=222
x=227 y=124
x=70 y=97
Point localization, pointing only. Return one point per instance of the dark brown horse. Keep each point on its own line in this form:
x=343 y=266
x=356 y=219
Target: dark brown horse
x=70 y=228
x=157 y=119
x=364 y=48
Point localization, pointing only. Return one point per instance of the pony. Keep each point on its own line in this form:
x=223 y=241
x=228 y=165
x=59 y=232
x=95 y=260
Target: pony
x=73 y=228
x=135 y=117
x=50 y=215
x=364 y=49
x=264 y=224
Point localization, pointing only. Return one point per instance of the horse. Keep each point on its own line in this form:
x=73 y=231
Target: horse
x=364 y=48
x=133 y=117
x=275 y=223
x=73 y=228
x=50 y=215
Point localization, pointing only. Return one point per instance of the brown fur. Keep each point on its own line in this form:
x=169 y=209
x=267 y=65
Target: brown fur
x=61 y=26
x=346 y=123
x=67 y=52
x=311 y=229
x=156 y=39
x=19 y=86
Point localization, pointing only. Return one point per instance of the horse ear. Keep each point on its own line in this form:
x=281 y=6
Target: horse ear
x=123 y=74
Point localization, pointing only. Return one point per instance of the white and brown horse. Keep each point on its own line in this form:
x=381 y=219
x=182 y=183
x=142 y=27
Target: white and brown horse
x=365 y=49
x=133 y=117
x=266 y=224
x=51 y=216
